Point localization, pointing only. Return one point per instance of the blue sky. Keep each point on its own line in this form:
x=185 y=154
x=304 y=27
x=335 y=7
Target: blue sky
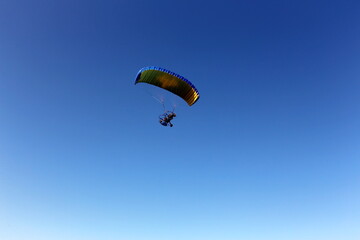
x=270 y=151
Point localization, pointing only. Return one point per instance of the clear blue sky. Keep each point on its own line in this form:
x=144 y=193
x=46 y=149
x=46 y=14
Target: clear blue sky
x=271 y=151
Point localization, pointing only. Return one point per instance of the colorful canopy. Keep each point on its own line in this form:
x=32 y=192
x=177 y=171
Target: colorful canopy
x=170 y=81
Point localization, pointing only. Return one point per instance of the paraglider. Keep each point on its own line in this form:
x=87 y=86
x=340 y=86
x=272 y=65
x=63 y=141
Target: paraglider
x=171 y=82
x=165 y=118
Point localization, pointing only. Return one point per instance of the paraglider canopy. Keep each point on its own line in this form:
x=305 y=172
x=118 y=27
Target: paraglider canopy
x=169 y=81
